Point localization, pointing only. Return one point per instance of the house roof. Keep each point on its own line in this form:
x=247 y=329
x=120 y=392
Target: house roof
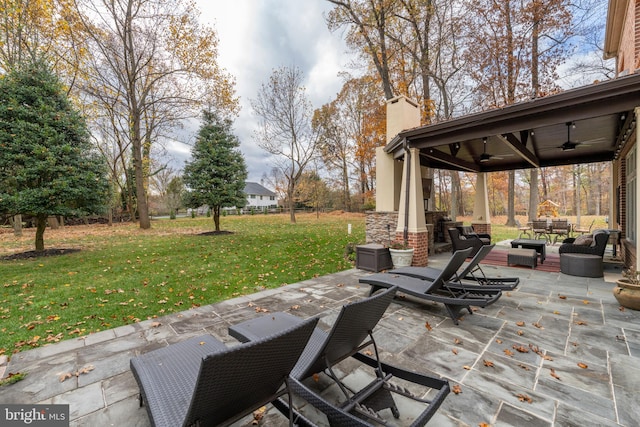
x=257 y=189
x=616 y=13
x=596 y=120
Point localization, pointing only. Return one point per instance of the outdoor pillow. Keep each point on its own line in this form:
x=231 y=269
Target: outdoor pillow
x=584 y=240
x=593 y=244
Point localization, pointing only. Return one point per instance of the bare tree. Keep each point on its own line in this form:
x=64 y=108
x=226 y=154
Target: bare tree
x=285 y=127
x=153 y=65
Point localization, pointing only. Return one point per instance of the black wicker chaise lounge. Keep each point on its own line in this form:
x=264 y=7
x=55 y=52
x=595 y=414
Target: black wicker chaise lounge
x=472 y=272
x=454 y=296
x=201 y=382
x=352 y=332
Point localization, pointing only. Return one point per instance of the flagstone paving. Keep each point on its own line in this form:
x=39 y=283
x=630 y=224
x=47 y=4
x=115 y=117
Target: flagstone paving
x=558 y=351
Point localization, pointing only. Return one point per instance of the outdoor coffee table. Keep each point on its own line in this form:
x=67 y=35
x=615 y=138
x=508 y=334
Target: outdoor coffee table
x=263 y=326
x=538 y=245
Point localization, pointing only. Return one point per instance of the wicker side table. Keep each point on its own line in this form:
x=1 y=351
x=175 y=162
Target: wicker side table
x=522 y=257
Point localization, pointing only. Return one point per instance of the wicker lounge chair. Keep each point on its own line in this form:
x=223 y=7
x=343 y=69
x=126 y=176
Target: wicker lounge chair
x=459 y=242
x=472 y=272
x=352 y=331
x=202 y=382
x=454 y=296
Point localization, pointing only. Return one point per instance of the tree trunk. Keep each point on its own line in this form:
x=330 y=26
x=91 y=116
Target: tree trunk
x=216 y=217
x=292 y=210
x=533 y=195
x=41 y=225
x=16 y=221
x=511 y=214
x=455 y=184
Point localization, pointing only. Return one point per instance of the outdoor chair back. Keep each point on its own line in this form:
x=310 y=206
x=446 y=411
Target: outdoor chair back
x=349 y=334
x=201 y=382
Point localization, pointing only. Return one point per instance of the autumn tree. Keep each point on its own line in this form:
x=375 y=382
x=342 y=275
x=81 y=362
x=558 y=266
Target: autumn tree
x=285 y=129
x=47 y=164
x=517 y=47
x=366 y=22
x=312 y=191
x=216 y=174
x=153 y=65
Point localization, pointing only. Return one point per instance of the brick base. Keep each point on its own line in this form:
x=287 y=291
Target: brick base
x=420 y=244
x=482 y=228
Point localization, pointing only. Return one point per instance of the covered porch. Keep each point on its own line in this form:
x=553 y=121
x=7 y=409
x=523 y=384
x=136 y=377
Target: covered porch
x=595 y=123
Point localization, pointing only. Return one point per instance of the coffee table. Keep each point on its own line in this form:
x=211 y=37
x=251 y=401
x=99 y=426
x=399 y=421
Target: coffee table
x=538 y=245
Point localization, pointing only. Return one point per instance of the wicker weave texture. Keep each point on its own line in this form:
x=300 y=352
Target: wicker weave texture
x=202 y=381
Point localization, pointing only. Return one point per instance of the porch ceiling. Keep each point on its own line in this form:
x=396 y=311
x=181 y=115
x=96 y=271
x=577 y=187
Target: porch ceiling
x=531 y=134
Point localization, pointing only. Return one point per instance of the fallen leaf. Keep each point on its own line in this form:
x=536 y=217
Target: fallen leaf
x=583 y=365
x=467 y=367
x=585 y=302
x=456 y=389
x=520 y=348
x=524 y=398
x=484 y=425
x=562 y=296
x=525 y=367
x=295 y=307
x=537 y=325
x=498 y=340
x=454 y=351
x=428 y=326
x=556 y=312
x=202 y=343
x=554 y=375
x=457 y=341
x=368 y=353
x=508 y=352
x=580 y=322
x=521 y=323
x=488 y=363
x=520 y=332
x=65 y=376
x=155 y=324
x=85 y=370
x=316 y=377
x=621 y=308
x=258 y=414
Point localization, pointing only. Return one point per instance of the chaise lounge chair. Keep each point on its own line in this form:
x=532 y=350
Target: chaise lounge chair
x=202 y=382
x=454 y=296
x=352 y=331
x=471 y=272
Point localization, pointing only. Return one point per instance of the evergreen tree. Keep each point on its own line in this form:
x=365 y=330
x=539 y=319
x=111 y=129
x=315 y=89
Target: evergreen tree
x=47 y=163
x=217 y=172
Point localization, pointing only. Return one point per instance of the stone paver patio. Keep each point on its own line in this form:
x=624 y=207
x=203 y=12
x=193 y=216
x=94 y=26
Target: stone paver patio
x=572 y=321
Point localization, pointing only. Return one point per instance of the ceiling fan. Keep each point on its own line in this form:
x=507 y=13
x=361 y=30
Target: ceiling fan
x=485 y=157
x=569 y=145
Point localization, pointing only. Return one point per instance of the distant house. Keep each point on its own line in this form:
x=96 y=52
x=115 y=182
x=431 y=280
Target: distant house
x=259 y=197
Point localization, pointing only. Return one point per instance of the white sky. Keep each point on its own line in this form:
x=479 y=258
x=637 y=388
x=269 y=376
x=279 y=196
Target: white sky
x=258 y=36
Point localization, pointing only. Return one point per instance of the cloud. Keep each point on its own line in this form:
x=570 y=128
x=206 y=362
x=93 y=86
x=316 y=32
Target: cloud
x=258 y=37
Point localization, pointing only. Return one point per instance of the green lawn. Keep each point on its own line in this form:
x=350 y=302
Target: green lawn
x=122 y=274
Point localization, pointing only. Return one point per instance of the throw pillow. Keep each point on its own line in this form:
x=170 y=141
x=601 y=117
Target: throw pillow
x=584 y=240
